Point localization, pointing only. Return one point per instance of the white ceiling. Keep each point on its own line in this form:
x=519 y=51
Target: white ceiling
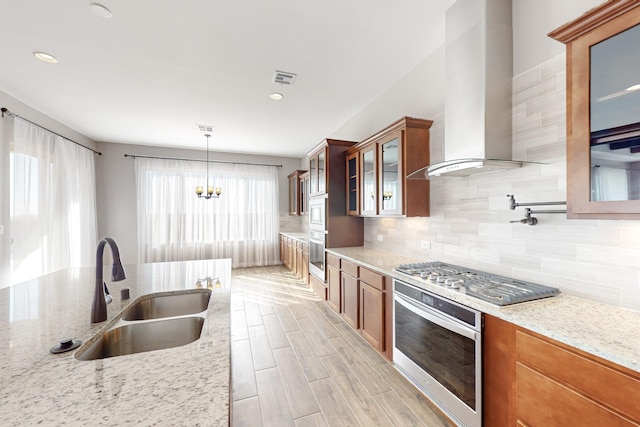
x=157 y=68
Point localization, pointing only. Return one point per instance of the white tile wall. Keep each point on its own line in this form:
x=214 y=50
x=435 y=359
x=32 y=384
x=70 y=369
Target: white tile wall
x=469 y=223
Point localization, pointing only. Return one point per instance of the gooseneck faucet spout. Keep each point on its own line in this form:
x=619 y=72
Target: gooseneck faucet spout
x=100 y=293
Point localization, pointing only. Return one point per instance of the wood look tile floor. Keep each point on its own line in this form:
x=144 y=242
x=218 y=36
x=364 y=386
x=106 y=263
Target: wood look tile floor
x=295 y=362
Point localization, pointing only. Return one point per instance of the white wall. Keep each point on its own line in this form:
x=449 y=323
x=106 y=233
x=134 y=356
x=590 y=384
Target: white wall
x=533 y=20
x=116 y=191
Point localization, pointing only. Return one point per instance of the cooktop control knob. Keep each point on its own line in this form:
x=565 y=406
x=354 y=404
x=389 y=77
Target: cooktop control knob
x=452 y=283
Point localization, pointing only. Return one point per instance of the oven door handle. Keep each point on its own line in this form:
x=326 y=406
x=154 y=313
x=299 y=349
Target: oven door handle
x=432 y=316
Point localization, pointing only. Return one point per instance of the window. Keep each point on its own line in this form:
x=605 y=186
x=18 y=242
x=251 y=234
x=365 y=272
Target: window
x=175 y=225
x=52 y=203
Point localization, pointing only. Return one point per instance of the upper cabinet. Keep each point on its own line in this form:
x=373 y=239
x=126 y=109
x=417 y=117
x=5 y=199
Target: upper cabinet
x=603 y=112
x=353 y=187
x=297 y=197
x=385 y=160
x=328 y=173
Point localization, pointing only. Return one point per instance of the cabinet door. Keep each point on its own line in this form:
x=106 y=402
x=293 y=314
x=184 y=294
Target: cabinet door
x=304 y=193
x=390 y=175
x=333 y=283
x=322 y=173
x=293 y=195
x=313 y=175
x=350 y=297
x=305 y=264
x=372 y=315
x=353 y=184
x=368 y=181
x=298 y=269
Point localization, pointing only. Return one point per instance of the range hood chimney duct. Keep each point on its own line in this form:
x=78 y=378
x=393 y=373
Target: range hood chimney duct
x=479 y=71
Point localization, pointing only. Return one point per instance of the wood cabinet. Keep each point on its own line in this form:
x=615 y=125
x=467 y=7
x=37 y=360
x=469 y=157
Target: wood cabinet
x=334 y=285
x=368 y=180
x=296 y=196
x=359 y=295
x=385 y=160
x=350 y=294
x=294 y=254
x=353 y=186
x=304 y=193
x=603 y=150
x=328 y=208
x=372 y=308
x=532 y=380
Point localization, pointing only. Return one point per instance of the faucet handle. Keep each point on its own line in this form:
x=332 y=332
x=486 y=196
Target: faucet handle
x=107 y=296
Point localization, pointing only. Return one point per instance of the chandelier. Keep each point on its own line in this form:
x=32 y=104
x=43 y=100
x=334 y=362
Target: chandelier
x=211 y=192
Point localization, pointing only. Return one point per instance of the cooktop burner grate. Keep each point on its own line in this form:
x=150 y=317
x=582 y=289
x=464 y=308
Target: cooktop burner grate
x=488 y=287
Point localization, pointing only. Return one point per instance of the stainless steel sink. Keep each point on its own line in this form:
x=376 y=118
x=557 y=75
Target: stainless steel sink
x=144 y=336
x=181 y=304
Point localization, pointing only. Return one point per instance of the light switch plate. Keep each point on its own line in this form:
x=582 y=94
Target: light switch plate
x=1 y=230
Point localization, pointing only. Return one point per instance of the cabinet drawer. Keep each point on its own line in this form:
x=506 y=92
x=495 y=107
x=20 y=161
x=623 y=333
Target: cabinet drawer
x=543 y=402
x=350 y=268
x=596 y=380
x=333 y=261
x=372 y=278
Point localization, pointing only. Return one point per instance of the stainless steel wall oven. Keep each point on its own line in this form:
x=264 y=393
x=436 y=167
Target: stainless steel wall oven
x=317 y=240
x=438 y=346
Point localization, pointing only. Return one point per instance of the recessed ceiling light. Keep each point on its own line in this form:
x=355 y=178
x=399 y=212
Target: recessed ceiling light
x=45 y=57
x=277 y=96
x=100 y=10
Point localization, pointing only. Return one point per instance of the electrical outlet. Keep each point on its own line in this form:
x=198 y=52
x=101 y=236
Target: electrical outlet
x=380 y=238
x=425 y=244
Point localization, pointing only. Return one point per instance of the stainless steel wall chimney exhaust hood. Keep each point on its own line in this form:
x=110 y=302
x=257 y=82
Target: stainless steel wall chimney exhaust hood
x=479 y=70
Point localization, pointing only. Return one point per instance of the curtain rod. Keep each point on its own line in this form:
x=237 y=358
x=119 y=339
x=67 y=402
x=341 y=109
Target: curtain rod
x=14 y=115
x=199 y=160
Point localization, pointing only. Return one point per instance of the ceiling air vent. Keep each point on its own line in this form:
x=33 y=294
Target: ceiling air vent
x=283 y=78
x=205 y=128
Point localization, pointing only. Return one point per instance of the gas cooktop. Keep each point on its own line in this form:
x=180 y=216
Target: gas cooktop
x=488 y=287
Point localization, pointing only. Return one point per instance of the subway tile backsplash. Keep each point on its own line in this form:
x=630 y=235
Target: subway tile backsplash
x=469 y=222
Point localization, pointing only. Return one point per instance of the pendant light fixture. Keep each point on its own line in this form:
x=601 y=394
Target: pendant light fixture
x=211 y=192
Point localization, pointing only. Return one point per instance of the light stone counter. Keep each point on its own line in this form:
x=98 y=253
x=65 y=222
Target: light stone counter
x=606 y=331
x=186 y=385
x=303 y=237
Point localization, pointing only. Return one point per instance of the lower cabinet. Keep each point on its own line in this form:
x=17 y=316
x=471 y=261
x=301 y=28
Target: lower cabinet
x=360 y=296
x=294 y=254
x=334 y=287
x=350 y=300
x=531 y=380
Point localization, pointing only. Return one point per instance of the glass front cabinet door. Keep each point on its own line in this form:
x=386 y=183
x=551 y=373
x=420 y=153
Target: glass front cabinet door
x=353 y=185
x=603 y=111
x=369 y=182
x=390 y=175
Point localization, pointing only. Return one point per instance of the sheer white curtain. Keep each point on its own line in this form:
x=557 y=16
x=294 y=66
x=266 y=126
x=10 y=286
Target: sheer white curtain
x=608 y=184
x=52 y=203
x=175 y=225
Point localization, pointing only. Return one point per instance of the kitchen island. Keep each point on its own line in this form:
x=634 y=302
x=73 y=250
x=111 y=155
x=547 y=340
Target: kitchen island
x=187 y=385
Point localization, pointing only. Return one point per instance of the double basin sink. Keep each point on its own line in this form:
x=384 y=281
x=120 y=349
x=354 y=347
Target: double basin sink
x=154 y=322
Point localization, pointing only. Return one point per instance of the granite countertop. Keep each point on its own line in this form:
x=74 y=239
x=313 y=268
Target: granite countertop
x=186 y=385
x=303 y=237
x=609 y=332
